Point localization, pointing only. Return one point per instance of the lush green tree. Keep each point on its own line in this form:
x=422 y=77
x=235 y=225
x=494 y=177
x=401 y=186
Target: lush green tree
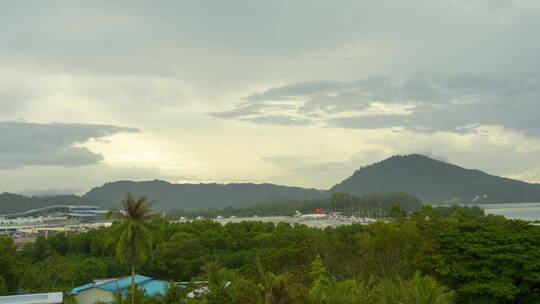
x=63 y=272
x=286 y=290
x=326 y=290
x=396 y=211
x=132 y=232
x=355 y=291
x=426 y=290
x=182 y=256
x=3 y=286
x=135 y=295
x=39 y=250
x=219 y=281
x=393 y=250
x=323 y=286
x=487 y=259
x=246 y=292
x=276 y=288
x=174 y=294
x=446 y=211
x=69 y=299
x=12 y=267
x=418 y=290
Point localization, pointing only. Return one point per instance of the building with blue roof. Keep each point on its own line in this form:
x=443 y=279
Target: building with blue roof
x=105 y=289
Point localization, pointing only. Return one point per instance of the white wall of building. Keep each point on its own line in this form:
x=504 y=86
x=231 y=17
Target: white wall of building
x=93 y=295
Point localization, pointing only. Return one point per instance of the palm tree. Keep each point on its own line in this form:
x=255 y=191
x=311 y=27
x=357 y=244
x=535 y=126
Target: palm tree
x=138 y=297
x=426 y=290
x=418 y=290
x=356 y=291
x=174 y=294
x=132 y=234
x=323 y=287
x=279 y=289
x=219 y=280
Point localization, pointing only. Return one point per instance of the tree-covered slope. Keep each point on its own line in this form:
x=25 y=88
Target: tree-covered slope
x=195 y=196
x=435 y=181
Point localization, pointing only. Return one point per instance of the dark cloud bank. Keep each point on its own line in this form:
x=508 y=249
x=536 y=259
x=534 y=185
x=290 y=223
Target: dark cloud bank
x=452 y=104
x=25 y=144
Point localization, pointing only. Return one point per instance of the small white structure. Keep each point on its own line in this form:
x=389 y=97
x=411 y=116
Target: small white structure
x=36 y=298
x=314 y=216
x=182 y=219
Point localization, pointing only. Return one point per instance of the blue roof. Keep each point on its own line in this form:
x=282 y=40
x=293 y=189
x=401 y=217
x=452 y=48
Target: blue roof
x=151 y=287
x=155 y=287
x=75 y=291
x=122 y=283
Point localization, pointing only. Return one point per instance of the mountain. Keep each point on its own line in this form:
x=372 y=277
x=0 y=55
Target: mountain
x=167 y=195
x=430 y=180
x=195 y=196
x=435 y=181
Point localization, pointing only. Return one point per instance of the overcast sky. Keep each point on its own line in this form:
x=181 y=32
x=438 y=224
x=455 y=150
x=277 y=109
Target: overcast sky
x=298 y=92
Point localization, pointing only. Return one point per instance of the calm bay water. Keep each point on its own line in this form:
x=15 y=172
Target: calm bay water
x=522 y=211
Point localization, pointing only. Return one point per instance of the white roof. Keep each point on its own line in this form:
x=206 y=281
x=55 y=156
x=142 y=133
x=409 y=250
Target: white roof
x=36 y=298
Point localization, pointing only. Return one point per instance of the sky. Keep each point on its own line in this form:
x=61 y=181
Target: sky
x=298 y=92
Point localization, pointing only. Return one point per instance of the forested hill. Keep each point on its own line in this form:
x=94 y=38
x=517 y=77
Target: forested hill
x=195 y=196
x=13 y=203
x=430 y=180
x=435 y=181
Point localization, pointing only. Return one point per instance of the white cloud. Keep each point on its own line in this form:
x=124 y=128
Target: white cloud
x=427 y=103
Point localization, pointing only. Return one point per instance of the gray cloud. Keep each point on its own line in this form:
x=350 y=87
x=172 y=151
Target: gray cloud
x=453 y=104
x=25 y=144
x=306 y=99
x=14 y=95
x=204 y=40
x=11 y=100
x=162 y=38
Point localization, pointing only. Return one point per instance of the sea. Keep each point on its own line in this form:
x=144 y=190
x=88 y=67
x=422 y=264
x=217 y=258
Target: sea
x=522 y=211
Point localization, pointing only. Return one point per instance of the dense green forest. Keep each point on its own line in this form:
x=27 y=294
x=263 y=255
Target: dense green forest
x=461 y=257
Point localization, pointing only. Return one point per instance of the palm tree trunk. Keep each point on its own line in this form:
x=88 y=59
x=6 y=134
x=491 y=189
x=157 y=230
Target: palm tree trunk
x=133 y=271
